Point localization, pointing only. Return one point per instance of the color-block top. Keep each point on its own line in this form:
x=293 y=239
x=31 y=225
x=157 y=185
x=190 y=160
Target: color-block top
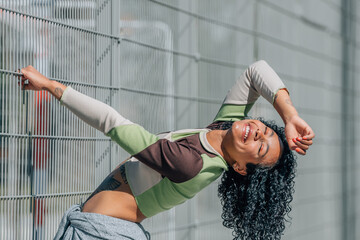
x=165 y=170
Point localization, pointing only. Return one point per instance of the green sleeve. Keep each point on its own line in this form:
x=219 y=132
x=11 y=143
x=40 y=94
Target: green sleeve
x=132 y=138
x=232 y=112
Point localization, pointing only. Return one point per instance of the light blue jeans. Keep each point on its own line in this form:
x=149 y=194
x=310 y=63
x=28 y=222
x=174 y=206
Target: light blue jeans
x=77 y=225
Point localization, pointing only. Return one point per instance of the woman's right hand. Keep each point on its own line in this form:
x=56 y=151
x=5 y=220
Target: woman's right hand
x=37 y=81
x=299 y=134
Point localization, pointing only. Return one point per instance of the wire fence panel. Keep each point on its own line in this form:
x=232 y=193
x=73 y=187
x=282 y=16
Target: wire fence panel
x=166 y=65
x=50 y=159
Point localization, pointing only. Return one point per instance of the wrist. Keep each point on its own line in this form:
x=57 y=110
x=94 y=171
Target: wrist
x=283 y=105
x=48 y=85
x=56 y=89
x=289 y=117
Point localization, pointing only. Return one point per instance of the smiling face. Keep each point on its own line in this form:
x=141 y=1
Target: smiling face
x=251 y=141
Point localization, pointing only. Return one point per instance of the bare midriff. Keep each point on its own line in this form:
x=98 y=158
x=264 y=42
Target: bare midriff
x=114 y=198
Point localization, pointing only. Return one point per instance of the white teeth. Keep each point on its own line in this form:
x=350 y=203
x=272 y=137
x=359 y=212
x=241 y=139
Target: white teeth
x=247 y=132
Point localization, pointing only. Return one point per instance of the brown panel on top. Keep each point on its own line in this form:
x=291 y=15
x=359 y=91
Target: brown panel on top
x=179 y=161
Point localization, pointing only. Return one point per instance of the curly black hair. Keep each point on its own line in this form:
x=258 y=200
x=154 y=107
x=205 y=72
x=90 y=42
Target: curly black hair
x=256 y=206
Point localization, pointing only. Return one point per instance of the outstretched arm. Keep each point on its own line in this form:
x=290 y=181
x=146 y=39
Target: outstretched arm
x=298 y=133
x=259 y=79
x=95 y=113
x=164 y=156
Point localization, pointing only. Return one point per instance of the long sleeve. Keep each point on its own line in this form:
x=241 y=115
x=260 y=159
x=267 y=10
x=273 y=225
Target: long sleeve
x=95 y=113
x=131 y=137
x=170 y=158
x=259 y=79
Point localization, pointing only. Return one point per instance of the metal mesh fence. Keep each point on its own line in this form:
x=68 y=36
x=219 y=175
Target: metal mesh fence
x=150 y=59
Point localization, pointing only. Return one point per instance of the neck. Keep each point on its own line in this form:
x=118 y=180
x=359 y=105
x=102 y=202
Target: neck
x=215 y=139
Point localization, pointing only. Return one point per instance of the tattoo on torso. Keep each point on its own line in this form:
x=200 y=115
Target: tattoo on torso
x=111 y=183
x=123 y=173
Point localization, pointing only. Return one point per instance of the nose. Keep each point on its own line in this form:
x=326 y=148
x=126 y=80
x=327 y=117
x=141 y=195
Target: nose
x=258 y=135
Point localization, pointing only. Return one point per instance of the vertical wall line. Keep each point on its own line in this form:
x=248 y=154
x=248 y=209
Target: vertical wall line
x=256 y=38
x=96 y=19
x=348 y=120
x=111 y=77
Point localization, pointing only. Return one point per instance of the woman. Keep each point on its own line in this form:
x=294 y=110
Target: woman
x=166 y=170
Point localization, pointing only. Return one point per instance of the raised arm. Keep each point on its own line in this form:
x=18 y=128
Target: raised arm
x=259 y=79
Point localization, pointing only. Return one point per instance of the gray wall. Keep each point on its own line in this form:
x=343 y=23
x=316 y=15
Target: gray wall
x=167 y=65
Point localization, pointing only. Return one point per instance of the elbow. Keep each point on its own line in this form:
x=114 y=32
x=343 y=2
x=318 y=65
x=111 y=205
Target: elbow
x=254 y=70
x=259 y=64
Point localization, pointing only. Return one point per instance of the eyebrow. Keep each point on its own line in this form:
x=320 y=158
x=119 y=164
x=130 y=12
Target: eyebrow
x=267 y=149
x=272 y=133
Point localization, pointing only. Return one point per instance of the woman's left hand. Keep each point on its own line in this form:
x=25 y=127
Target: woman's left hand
x=299 y=134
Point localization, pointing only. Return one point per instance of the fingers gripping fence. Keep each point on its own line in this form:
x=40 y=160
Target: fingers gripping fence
x=165 y=65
